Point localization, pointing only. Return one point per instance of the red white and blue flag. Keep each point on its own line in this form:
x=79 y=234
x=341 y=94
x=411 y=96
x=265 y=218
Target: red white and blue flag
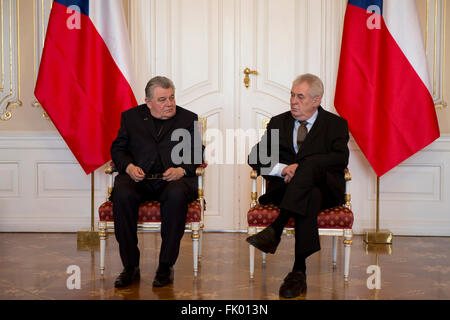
x=383 y=86
x=85 y=76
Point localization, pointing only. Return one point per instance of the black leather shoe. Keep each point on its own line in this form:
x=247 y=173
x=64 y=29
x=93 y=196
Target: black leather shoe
x=163 y=277
x=266 y=240
x=293 y=285
x=127 y=276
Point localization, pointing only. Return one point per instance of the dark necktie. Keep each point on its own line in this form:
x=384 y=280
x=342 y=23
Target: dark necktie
x=302 y=132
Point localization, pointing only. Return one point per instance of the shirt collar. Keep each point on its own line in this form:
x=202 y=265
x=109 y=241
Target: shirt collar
x=311 y=120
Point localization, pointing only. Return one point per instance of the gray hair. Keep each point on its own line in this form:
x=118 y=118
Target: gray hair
x=155 y=82
x=315 y=84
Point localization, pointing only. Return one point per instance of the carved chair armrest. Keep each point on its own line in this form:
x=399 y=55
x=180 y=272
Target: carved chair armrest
x=254 y=194
x=348 y=198
x=200 y=173
x=110 y=169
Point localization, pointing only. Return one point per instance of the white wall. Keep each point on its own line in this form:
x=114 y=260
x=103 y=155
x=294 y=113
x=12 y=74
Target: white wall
x=414 y=196
x=42 y=186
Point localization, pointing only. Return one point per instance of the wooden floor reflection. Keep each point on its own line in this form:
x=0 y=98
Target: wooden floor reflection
x=33 y=266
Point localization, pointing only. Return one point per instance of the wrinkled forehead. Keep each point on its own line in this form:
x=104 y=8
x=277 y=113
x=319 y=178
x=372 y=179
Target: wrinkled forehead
x=160 y=92
x=300 y=88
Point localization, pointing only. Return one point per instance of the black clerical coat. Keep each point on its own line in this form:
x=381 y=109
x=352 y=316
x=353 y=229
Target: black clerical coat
x=138 y=142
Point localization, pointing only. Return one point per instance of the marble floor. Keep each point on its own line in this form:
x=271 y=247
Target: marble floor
x=33 y=266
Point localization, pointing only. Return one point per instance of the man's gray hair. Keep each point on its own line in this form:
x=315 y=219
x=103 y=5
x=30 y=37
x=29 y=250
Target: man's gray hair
x=158 y=81
x=315 y=84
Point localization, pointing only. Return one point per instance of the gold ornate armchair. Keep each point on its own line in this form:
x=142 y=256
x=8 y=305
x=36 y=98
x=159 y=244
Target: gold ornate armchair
x=149 y=217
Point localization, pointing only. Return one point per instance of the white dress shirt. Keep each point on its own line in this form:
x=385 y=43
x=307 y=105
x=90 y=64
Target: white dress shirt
x=278 y=168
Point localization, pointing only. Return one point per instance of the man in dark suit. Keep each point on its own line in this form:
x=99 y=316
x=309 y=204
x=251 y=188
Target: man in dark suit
x=312 y=154
x=154 y=165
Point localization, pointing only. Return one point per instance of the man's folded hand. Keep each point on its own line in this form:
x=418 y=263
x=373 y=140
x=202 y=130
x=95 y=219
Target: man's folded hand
x=289 y=171
x=135 y=172
x=173 y=174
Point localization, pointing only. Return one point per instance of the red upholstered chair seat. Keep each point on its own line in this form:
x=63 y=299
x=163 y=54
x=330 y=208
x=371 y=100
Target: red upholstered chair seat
x=334 y=222
x=150 y=212
x=338 y=217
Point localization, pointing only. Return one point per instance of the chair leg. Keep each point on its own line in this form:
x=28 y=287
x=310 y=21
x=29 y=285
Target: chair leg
x=263 y=254
x=102 y=234
x=195 y=244
x=201 y=224
x=334 y=251
x=348 y=234
x=200 y=242
x=252 y=231
x=252 y=261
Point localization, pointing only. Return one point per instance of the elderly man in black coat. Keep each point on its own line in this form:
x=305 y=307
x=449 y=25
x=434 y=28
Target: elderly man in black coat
x=312 y=154
x=156 y=152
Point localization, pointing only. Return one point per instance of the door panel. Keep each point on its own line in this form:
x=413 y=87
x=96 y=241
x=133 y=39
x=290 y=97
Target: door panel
x=198 y=56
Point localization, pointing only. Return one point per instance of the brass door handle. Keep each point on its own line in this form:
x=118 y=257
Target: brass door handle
x=247 y=73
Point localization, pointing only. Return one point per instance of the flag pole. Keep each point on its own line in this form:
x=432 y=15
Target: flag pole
x=86 y=239
x=378 y=236
x=92 y=201
x=378 y=206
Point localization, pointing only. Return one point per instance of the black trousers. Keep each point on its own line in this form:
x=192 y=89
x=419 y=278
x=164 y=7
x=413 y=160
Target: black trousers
x=174 y=197
x=302 y=199
x=307 y=239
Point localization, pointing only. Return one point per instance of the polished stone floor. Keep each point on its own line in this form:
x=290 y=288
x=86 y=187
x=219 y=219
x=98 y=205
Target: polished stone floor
x=33 y=266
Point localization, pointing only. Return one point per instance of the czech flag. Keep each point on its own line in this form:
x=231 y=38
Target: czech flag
x=383 y=87
x=85 y=75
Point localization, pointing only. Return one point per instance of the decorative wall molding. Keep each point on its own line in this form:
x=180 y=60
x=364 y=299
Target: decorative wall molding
x=41 y=14
x=332 y=26
x=196 y=61
x=142 y=32
x=9 y=179
x=42 y=186
x=9 y=64
x=62 y=179
x=435 y=49
x=414 y=196
x=397 y=186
